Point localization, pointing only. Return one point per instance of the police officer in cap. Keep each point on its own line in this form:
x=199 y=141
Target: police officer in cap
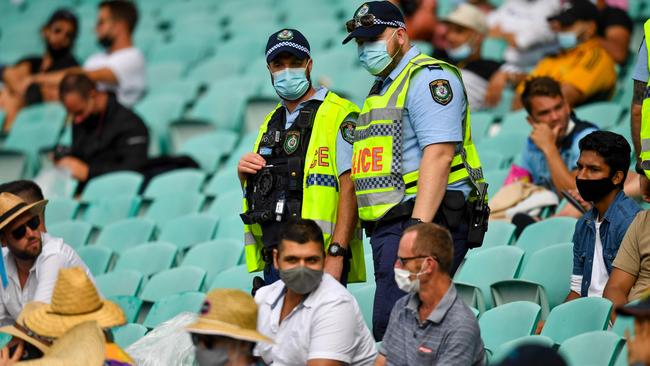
x=413 y=157
x=300 y=166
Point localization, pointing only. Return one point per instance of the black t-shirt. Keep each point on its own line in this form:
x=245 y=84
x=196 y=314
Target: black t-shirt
x=611 y=16
x=64 y=62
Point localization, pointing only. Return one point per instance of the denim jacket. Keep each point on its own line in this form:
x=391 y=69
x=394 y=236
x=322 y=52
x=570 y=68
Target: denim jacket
x=617 y=218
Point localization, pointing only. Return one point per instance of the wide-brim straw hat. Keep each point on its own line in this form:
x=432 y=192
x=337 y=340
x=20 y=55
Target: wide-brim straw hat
x=12 y=206
x=83 y=345
x=229 y=313
x=19 y=330
x=74 y=300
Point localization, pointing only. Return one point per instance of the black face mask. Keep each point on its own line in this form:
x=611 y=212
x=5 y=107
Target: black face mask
x=593 y=190
x=106 y=41
x=57 y=53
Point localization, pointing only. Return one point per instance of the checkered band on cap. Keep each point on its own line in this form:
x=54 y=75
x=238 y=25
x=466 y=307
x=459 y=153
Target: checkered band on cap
x=395 y=23
x=288 y=44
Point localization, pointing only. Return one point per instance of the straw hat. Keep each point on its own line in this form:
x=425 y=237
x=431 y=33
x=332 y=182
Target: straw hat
x=12 y=206
x=83 y=345
x=468 y=16
x=74 y=300
x=230 y=313
x=19 y=330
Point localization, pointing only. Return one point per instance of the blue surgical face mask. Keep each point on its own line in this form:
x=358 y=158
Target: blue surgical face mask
x=374 y=56
x=461 y=52
x=291 y=83
x=567 y=40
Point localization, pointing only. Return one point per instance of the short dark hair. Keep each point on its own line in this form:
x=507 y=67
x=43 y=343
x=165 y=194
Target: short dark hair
x=64 y=14
x=76 y=83
x=301 y=231
x=539 y=86
x=123 y=10
x=23 y=188
x=612 y=147
x=433 y=240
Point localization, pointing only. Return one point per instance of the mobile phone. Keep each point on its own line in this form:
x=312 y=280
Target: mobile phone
x=574 y=202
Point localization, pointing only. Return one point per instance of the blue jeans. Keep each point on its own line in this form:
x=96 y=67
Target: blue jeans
x=385 y=242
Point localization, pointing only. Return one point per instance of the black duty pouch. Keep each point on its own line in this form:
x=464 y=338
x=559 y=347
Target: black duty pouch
x=453 y=210
x=479 y=215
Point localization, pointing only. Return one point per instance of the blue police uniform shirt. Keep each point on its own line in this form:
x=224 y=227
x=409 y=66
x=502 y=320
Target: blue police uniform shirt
x=426 y=121
x=640 y=72
x=343 y=148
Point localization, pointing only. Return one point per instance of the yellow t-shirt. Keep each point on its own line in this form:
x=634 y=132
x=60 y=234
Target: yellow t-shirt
x=588 y=67
x=633 y=255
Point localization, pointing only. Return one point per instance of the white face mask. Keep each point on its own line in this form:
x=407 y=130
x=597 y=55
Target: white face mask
x=404 y=281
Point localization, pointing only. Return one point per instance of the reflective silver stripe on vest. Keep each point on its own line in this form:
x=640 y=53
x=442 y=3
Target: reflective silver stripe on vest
x=645 y=165
x=326 y=226
x=379 y=114
x=645 y=145
x=249 y=238
x=381 y=198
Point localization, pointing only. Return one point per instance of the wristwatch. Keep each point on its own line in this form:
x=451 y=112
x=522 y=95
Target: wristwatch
x=413 y=221
x=336 y=250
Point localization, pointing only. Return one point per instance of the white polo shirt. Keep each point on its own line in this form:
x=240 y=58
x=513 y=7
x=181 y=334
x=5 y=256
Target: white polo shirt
x=42 y=276
x=326 y=325
x=128 y=66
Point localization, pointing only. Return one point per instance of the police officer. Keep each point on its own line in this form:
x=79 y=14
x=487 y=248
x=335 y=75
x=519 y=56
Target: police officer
x=413 y=158
x=300 y=166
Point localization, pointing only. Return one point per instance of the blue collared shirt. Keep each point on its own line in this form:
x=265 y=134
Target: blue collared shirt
x=616 y=220
x=426 y=121
x=343 y=148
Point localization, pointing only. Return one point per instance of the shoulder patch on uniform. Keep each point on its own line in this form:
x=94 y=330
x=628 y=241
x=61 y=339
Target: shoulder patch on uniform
x=347 y=131
x=441 y=91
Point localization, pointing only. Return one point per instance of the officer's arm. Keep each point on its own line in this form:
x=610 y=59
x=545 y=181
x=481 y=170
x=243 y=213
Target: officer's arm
x=635 y=115
x=346 y=216
x=432 y=182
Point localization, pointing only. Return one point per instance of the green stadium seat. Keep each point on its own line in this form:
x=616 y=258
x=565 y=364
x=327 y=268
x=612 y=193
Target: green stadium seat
x=493 y=160
x=598 y=348
x=158 y=111
x=506 y=348
x=508 y=142
x=167 y=208
x=168 y=183
x=164 y=72
x=215 y=68
x=225 y=180
x=543 y=234
x=576 y=317
x=73 y=233
x=148 y=259
x=602 y=114
x=188 y=230
x=508 y=322
x=493 y=49
x=499 y=233
x=60 y=209
x=236 y=277
x=184 y=51
x=481 y=122
x=473 y=281
x=184 y=91
x=125 y=234
x=13 y=165
x=112 y=184
x=173 y=281
x=96 y=258
x=172 y=305
x=544 y=279
x=119 y=283
x=208 y=149
x=624 y=322
x=130 y=305
x=516 y=121
x=475 y=311
x=231 y=227
x=108 y=210
x=365 y=296
x=214 y=256
x=227 y=204
x=622 y=360
x=128 y=334
x=41 y=113
x=31 y=139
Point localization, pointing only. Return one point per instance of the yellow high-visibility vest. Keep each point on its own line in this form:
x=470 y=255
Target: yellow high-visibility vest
x=645 y=114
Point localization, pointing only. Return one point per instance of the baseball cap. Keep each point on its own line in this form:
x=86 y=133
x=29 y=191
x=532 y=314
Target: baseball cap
x=575 y=10
x=468 y=16
x=640 y=308
x=287 y=40
x=371 y=18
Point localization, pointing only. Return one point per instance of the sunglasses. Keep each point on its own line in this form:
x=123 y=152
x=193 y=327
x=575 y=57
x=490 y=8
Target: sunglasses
x=403 y=260
x=366 y=20
x=20 y=232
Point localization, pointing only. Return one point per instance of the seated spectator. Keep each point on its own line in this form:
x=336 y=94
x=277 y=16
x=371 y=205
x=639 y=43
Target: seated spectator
x=615 y=29
x=630 y=276
x=313 y=319
x=602 y=168
x=225 y=331
x=58 y=34
x=583 y=68
x=466 y=29
x=638 y=347
x=29 y=192
x=431 y=325
x=28 y=345
x=32 y=259
x=106 y=136
x=121 y=68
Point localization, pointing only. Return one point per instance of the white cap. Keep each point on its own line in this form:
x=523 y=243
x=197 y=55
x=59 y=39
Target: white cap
x=468 y=16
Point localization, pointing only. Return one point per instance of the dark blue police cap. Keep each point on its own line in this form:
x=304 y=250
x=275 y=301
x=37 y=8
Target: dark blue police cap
x=287 y=40
x=382 y=13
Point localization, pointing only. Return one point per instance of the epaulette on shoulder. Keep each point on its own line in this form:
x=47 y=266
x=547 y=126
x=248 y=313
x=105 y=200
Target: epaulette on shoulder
x=434 y=67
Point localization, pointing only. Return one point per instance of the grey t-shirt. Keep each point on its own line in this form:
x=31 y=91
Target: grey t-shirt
x=449 y=336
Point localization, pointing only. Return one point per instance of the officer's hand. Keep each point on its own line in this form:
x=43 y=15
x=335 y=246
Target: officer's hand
x=644 y=183
x=334 y=266
x=250 y=163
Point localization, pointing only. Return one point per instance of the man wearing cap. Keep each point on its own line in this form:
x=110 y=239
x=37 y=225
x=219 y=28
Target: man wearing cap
x=638 y=347
x=583 y=67
x=466 y=29
x=413 y=157
x=226 y=329
x=32 y=259
x=300 y=165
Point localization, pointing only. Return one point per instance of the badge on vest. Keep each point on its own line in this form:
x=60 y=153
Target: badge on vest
x=291 y=142
x=347 y=131
x=441 y=91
